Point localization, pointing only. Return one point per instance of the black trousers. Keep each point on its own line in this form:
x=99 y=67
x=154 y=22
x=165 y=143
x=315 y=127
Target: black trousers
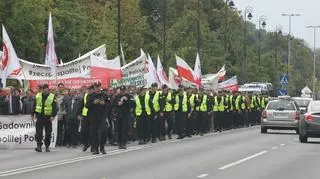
x=61 y=136
x=85 y=131
x=111 y=129
x=168 y=117
x=202 y=119
x=72 y=131
x=154 y=126
x=252 y=116
x=47 y=125
x=98 y=132
x=122 y=127
x=245 y=116
x=180 y=118
x=219 y=117
x=143 y=127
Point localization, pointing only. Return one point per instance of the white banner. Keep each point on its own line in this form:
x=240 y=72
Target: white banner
x=76 y=68
x=210 y=81
x=19 y=132
x=133 y=73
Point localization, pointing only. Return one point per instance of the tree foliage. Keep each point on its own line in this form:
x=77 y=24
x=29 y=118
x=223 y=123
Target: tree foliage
x=81 y=25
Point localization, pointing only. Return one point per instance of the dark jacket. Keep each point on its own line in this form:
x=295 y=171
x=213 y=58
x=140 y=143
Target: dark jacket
x=15 y=103
x=123 y=110
x=96 y=111
x=28 y=104
x=72 y=110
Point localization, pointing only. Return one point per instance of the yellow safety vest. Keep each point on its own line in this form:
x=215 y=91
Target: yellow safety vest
x=263 y=103
x=231 y=102
x=184 y=103
x=47 y=104
x=253 y=102
x=218 y=107
x=85 y=109
x=146 y=103
x=191 y=100
x=203 y=106
x=138 y=109
x=168 y=107
x=243 y=105
x=237 y=102
x=155 y=101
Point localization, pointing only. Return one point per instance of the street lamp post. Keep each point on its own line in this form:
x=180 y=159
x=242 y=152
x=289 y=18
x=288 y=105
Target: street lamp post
x=262 y=22
x=277 y=32
x=198 y=28
x=289 y=41
x=119 y=27
x=247 y=14
x=229 y=3
x=164 y=32
x=314 y=57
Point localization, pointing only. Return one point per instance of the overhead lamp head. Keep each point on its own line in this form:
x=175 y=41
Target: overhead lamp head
x=264 y=24
x=250 y=16
x=231 y=4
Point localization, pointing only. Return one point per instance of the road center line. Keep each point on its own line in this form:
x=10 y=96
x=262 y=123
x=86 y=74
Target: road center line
x=274 y=147
x=242 y=160
x=282 y=144
x=67 y=161
x=202 y=175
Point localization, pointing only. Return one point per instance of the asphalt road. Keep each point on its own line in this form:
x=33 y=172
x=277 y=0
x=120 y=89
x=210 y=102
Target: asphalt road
x=237 y=154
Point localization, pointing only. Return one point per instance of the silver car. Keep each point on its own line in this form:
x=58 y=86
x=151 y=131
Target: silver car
x=281 y=114
x=310 y=124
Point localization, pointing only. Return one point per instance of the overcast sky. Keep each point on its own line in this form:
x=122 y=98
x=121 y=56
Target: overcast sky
x=272 y=9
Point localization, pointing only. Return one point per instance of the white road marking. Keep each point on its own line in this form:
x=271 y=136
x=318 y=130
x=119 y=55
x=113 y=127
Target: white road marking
x=67 y=161
x=282 y=144
x=274 y=148
x=242 y=160
x=202 y=175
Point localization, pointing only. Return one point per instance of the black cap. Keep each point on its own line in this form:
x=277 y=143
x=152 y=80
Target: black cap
x=123 y=88
x=45 y=86
x=164 y=86
x=97 y=84
x=154 y=85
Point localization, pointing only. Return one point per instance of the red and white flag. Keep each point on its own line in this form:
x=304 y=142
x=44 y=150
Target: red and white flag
x=184 y=70
x=105 y=69
x=51 y=56
x=10 y=62
x=229 y=85
x=222 y=73
x=162 y=76
x=197 y=72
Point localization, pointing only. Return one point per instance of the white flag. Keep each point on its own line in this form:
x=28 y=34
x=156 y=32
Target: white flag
x=122 y=56
x=162 y=76
x=51 y=56
x=197 y=71
x=10 y=62
x=152 y=73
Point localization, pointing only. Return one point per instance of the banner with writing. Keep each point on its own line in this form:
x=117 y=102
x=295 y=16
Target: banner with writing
x=19 y=132
x=133 y=73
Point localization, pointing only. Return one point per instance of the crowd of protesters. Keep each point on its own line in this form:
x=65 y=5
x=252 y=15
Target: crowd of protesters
x=91 y=116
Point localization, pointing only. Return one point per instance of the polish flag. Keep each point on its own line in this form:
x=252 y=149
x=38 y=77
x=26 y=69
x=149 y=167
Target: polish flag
x=197 y=71
x=105 y=69
x=229 y=85
x=152 y=72
x=184 y=70
x=162 y=76
x=10 y=62
x=222 y=73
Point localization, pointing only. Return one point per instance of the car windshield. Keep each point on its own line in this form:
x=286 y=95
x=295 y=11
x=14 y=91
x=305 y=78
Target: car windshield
x=281 y=105
x=303 y=102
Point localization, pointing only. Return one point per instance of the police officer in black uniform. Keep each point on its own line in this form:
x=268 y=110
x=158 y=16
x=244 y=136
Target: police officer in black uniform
x=123 y=106
x=98 y=111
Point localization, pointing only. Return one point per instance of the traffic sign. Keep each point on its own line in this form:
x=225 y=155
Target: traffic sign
x=284 y=79
x=283 y=92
